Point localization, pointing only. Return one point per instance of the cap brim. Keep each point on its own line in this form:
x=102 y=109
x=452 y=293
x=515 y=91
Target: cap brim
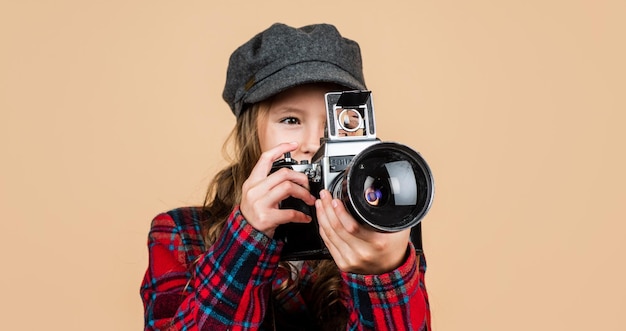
x=299 y=74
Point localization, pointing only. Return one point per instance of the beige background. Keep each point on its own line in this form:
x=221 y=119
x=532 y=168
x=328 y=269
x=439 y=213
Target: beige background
x=111 y=112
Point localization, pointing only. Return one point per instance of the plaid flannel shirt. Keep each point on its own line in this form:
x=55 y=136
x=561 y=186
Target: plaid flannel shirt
x=230 y=285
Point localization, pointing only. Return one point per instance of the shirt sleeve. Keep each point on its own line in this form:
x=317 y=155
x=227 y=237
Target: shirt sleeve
x=230 y=287
x=396 y=300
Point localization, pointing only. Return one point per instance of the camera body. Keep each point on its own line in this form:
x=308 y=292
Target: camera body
x=386 y=186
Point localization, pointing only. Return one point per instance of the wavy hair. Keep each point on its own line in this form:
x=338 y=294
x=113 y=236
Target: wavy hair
x=242 y=149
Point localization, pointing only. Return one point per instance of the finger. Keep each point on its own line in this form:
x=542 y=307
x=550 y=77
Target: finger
x=330 y=224
x=339 y=219
x=287 y=174
x=277 y=187
x=268 y=221
x=349 y=226
x=284 y=216
x=288 y=189
x=325 y=233
x=266 y=160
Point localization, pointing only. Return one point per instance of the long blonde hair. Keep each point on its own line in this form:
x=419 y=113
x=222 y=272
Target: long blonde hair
x=242 y=149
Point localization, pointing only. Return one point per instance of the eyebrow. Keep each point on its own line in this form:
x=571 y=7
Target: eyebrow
x=287 y=110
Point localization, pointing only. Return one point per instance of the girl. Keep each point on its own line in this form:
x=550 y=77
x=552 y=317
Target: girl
x=217 y=267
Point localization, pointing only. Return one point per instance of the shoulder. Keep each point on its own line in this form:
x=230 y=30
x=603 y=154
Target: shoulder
x=186 y=216
x=189 y=218
x=180 y=229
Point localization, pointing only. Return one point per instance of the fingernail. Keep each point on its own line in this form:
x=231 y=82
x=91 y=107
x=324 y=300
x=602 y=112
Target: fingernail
x=322 y=194
x=318 y=203
x=335 y=204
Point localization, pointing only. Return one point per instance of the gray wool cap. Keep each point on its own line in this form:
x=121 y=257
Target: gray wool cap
x=282 y=57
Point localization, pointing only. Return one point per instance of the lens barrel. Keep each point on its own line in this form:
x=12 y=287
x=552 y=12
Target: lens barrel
x=388 y=186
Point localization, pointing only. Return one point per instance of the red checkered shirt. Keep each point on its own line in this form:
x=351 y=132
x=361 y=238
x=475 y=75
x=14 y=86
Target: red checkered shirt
x=228 y=286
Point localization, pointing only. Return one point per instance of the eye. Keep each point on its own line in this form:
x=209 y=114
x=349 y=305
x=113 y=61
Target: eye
x=290 y=120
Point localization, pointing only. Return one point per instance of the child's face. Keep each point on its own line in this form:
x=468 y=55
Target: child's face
x=296 y=115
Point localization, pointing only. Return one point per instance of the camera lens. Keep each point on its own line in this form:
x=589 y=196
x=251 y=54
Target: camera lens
x=388 y=186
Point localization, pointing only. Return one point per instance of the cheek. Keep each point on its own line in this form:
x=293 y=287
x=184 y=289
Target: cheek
x=320 y=131
x=270 y=136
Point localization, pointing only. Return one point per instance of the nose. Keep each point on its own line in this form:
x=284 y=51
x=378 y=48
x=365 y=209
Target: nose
x=311 y=143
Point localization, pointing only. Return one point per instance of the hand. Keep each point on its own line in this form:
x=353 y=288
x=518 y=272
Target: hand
x=262 y=193
x=356 y=248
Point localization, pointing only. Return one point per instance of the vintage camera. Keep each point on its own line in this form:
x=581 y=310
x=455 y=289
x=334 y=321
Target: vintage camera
x=386 y=186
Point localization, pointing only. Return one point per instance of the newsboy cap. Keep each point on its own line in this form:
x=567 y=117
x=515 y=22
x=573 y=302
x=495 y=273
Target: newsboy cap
x=282 y=57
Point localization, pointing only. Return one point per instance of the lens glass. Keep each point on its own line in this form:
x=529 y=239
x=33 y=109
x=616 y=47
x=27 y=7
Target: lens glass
x=394 y=183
